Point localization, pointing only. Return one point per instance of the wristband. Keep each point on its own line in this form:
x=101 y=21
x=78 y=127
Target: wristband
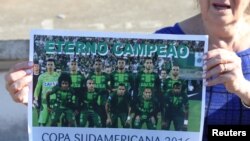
x=185 y=122
x=128 y=118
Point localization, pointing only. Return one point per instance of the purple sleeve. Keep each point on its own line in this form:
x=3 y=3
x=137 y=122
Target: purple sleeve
x=170 y=30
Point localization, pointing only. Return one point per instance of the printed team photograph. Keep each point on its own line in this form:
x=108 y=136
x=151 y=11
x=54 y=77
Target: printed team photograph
x=92 y=90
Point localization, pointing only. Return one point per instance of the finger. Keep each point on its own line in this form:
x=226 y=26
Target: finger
x=221 y=53
x=221 y=79
x=21 y=66
x=19 y=84
x=21 y=96
x=213 y=58
x=219 y=69
x=211 y=63
x=14 y=76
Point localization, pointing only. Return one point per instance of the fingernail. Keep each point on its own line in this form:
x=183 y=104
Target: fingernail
x=28 y=71
x=30 y=64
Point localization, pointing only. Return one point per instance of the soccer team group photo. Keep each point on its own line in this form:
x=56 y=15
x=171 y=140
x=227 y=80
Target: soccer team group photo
x=101 y=82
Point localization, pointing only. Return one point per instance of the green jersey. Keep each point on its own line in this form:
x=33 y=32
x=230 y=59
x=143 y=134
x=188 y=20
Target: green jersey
x=119 y=104
x=175 y=103
x=77 y=85
x=122 y=77
x=101 y=86
x=77 y=80
x=100 y=80
x=89 y=101
x=146 y=108
x=64 y=98
x=168 y=85
x=148 y=80
x=45 y=83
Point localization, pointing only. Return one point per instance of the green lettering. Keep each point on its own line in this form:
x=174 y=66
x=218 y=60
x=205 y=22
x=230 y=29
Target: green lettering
x=90 y=48
x=151 y=49
x=183 y=51
x=117 y=49
x=139 y=49
x=60 y=45
x=171 y=51
x=128 y=50
x=102 y=49
x=69 y=48
x=161 y=50
x=50 y=47
x=80 y=48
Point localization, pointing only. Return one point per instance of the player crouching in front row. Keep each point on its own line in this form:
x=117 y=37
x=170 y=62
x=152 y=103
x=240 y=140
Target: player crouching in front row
x=64 y=103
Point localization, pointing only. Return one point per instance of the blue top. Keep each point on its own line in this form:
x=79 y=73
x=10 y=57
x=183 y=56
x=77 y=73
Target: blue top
x=222 y=107
x=171 y=30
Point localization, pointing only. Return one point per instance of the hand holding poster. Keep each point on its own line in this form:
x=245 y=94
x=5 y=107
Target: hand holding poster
x=96 y=86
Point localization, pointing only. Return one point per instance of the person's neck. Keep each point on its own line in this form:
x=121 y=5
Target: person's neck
x=98 y=72
x=73 y=71
x=148 y=71
x=91 y=91
x=192 y=25
x=175 y=77
x=121 y=70
x=163 y=79
x=36 y=73
x=50 y=72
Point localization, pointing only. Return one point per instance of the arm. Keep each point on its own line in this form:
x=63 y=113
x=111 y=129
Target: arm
x=38 y=88
x=107 y=108
x=185 y=104
x=129 y=113
x=48 y=99
x=186 y=111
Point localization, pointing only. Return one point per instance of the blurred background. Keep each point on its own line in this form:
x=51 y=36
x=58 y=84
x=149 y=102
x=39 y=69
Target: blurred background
x=18 y=17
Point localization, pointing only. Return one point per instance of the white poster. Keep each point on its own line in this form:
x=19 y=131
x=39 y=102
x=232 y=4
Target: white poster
x=99 y=86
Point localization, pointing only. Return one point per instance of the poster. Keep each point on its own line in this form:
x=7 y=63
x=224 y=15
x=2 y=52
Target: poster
x=101 y=86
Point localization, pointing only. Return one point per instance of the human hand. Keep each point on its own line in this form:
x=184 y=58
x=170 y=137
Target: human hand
x=222 y=66
x=35 y=104
x=17 y=81
x=128 y=121
x=108 y=121
x=153 y=120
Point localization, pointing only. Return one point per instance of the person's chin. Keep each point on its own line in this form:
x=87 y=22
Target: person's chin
x=223 y=16
x=219 y=20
